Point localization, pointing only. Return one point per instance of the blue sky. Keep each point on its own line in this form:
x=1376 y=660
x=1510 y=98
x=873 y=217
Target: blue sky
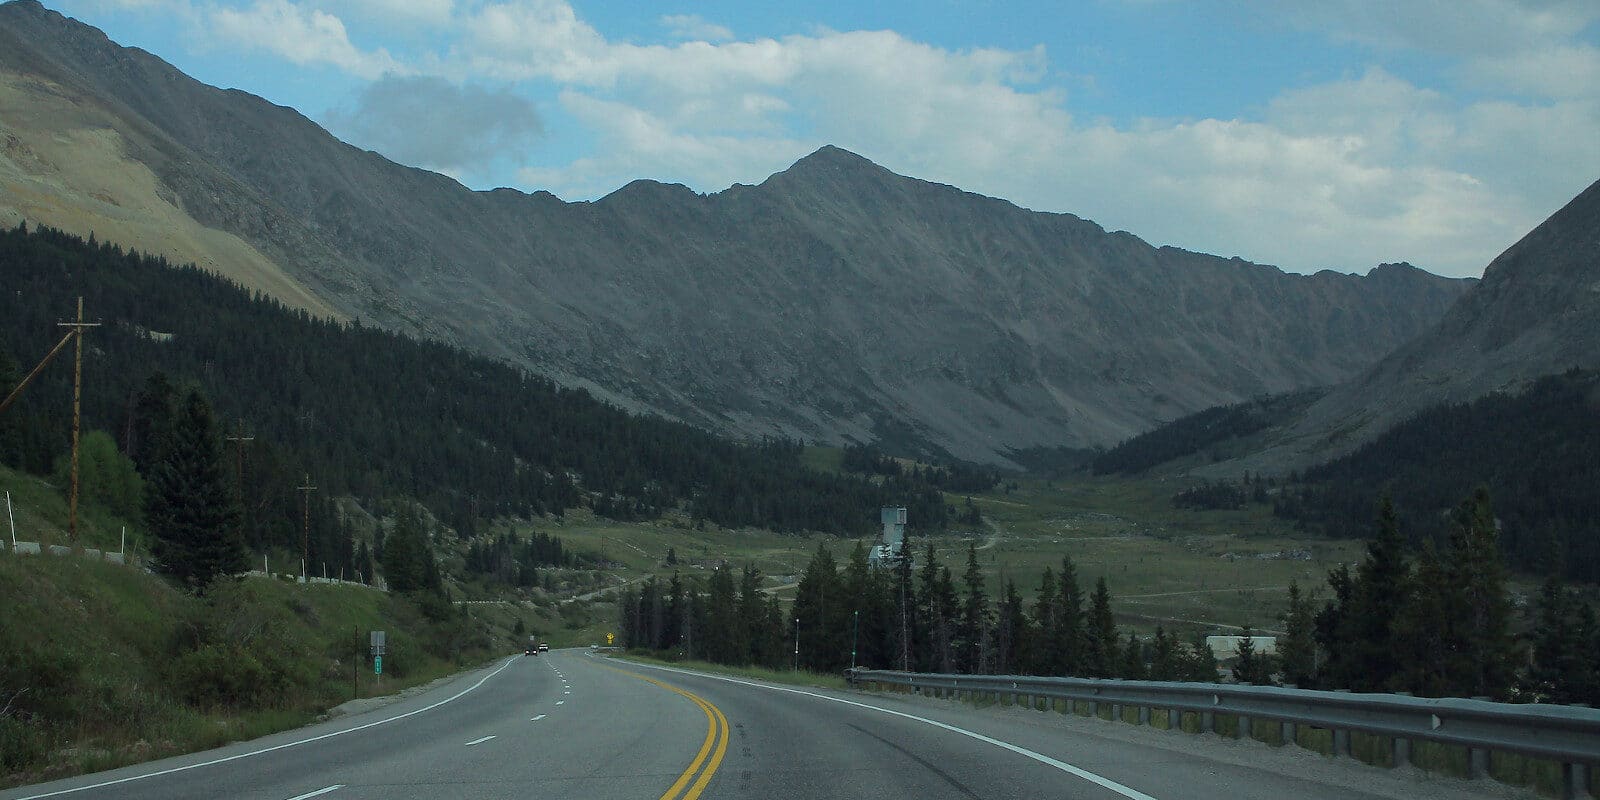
x=1304 y=133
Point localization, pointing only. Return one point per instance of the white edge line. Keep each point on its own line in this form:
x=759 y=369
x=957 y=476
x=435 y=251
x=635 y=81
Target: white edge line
x=317 y=793
x=130 y=778
x=1103 y=782
x=481 y=741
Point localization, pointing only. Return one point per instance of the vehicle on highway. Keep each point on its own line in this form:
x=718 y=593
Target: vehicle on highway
x=544 y=647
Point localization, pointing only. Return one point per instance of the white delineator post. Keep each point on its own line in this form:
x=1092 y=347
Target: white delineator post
x=13 y=521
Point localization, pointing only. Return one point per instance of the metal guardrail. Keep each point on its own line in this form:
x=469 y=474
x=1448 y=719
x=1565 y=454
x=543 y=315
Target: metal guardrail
x=1569 y=735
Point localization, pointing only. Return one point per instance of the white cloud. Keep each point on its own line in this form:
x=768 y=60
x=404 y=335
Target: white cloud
x=692 y=26
x=299 y=35
x=431 y=123
x=390 y=12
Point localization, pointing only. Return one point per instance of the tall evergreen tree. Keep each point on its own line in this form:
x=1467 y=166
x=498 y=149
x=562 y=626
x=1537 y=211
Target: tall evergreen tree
x=1070 y=639
x=819 y=605
x=1166 y=662
x=1102 y=657
x=1483 y=649
x=1252 y=667
x=1382 y=584
x=1133 y=667
x=1039 y=652
x=189 y=506
x=1422 y=629
x=1011 y=632
x=1561 y=670
x=724 y=636
x=974 y=631
x=1297 y=650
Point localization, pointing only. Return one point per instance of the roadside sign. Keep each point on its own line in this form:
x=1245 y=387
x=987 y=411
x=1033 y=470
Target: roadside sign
x=377 y=665
x=378 y=643
x=610 y=637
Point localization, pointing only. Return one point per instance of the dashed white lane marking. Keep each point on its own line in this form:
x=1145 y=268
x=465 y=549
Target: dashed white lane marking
x=1105 y=783
x=567 y=692
x=480 y=741
x=536 y=719
x=226 y=759
x=317 y=792
x=559 y=702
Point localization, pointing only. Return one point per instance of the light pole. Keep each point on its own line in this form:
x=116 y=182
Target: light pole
x=796 y=644
x=855 y=636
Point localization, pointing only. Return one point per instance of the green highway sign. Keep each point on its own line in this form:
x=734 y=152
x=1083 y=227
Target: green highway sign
x=377 y=665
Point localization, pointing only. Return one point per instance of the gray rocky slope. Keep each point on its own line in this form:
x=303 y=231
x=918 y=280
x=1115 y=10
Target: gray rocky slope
x=834 y=302
x=1535 y=313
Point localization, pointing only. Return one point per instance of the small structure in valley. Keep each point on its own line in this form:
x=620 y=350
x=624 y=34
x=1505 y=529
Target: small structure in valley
x=891 y=542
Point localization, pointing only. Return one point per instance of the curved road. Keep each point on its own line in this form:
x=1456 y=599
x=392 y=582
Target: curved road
x=573 y=725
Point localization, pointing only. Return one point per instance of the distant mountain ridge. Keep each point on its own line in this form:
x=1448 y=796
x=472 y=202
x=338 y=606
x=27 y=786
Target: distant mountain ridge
x=1535 y=313
x=834 y=302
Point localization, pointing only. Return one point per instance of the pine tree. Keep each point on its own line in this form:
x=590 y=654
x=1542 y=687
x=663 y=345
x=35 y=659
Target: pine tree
x=974 y=632
x=1252 y=667
x=1133 y=667
x=1381 y=587
x=1482 y=645
x=150 y=427
x=1012 y=631
x=1102 y=651
x=724 y=634
x=1423 y=629
x=1070 y=639
x=819 y=605
x=1297 y=650
x=1038 y=651
x=408 y=563
x=189 y=506
x=1560 y=668
x=1166 y=662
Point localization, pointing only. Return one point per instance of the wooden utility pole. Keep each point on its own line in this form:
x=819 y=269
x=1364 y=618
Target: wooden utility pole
x=77 y=404
x=305 y=532
x=241 y=438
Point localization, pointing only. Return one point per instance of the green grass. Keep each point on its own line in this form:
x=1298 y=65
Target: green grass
x=107 y=665
x=789 y=677
x=40 y=511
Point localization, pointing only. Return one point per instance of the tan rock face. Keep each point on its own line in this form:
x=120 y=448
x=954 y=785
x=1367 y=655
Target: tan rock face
x=64 y=163
x=835 y=302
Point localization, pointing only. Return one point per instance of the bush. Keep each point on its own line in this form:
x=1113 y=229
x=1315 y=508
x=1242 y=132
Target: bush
x=220 y=676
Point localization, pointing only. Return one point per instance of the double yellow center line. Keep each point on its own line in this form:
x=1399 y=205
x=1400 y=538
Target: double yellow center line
x=712 y=751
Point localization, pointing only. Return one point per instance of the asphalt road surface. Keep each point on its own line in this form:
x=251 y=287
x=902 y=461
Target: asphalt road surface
x=571 y=724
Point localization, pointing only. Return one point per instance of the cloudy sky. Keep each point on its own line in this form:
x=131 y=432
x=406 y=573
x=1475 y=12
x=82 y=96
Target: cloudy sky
x=1309 y=134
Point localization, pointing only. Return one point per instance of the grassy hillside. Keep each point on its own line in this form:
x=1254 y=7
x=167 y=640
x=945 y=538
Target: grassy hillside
x=107 y=664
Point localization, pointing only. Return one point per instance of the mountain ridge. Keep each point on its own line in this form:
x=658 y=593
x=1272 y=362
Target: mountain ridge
x=834 y=302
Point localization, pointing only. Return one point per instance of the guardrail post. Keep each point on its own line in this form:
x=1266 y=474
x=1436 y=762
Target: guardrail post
x=1094 y=708
x=1245 y=731
x=1208 y=722
x=1341 y=743
x=1288 y=732
x=1400 y=749
x=1144 y=715
x=1477 y=763
x=1116 y=712
x=1574 y=781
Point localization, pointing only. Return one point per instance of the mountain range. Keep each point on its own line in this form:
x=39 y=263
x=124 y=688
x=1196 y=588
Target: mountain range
x=1535 y=313
x=835 y=302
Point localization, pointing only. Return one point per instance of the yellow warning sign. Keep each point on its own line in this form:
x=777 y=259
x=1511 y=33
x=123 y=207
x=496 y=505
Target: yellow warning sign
x=610 y=637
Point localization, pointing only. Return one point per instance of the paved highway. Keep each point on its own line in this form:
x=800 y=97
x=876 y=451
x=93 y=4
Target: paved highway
x=570 y=724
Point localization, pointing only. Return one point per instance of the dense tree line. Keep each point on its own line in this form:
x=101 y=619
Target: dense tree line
x=906 y=616
x=1538 y=452
x=1438 y=621
x=509 y=559
x=952 y=477
x=372 y=414
x=1200 y=432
